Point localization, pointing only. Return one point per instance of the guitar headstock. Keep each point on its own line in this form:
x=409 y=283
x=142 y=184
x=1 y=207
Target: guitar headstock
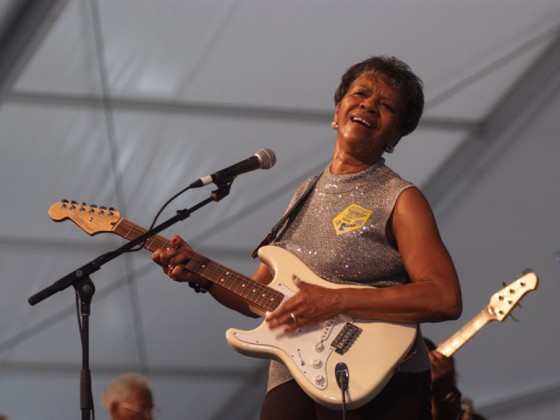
x=91 y=219
x=505 y=300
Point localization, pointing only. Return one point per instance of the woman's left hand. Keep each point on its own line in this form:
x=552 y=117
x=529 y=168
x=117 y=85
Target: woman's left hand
x=310 y=305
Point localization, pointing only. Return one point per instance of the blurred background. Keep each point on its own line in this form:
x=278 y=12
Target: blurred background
x=124 y=103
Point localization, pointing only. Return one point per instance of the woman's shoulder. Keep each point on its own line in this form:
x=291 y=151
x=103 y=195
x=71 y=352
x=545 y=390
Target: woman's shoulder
x=393 y=176
x=393 y=183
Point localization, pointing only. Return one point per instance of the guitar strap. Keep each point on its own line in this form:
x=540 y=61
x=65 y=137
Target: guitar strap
x=288 y=217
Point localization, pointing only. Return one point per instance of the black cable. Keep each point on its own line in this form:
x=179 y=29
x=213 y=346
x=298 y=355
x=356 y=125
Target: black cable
x=111 y=137
x=342 y=380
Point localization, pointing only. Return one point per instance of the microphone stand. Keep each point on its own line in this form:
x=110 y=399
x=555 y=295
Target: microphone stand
x=85 y=289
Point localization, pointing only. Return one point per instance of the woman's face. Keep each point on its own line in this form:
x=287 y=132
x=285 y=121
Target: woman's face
x=369 y=115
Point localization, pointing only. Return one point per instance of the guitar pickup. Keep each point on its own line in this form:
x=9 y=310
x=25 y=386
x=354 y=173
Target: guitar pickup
x=346 y=338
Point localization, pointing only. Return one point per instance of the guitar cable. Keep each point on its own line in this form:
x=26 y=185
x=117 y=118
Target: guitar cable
x=343 y=405
x=342 y=379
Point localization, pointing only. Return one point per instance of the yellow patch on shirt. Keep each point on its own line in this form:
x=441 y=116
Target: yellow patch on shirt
x=351 y=218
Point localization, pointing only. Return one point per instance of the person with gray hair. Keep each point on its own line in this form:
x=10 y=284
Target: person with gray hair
x=128 y=397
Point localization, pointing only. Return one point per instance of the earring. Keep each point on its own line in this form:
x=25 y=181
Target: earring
x=389 y=148
x=334 y=125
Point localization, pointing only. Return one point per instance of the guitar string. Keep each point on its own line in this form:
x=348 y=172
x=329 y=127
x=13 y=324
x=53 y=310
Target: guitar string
x=265 y=296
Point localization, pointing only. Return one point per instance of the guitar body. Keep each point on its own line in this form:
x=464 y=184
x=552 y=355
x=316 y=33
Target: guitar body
x=371 y=350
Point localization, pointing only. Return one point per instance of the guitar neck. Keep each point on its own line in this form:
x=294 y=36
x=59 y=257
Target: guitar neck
x=255 y=294
x=465 y=333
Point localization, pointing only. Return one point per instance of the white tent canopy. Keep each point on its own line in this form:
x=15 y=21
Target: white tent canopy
x=123 y=103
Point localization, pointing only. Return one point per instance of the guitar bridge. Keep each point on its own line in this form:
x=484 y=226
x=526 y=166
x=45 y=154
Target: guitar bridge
x=346 y=338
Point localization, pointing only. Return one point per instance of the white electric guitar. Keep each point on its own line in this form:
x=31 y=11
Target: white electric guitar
x=501 y=304
x=368 y=352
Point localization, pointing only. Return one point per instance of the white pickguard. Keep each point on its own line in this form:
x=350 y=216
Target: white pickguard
x=309 y=348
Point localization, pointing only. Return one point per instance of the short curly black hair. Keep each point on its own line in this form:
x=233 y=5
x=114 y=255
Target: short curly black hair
x=395 y=73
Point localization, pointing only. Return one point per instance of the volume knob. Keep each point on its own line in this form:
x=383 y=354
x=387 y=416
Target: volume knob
x=317 y=363
x=319 y=347
x=319 y=379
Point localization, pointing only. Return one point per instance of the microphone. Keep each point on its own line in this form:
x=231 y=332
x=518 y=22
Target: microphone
x=263 y=159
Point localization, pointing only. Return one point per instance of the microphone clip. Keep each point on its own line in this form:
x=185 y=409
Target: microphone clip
x=222 y=191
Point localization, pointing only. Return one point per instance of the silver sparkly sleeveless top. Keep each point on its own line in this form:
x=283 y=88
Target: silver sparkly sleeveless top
x=340 y=234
